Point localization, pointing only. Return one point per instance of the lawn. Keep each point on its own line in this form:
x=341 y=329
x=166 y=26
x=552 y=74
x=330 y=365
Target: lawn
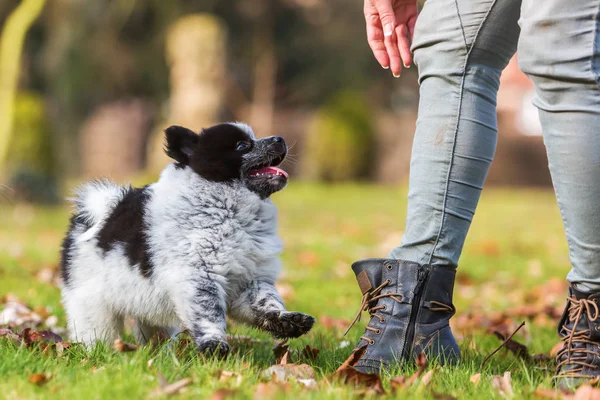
x=513 y=263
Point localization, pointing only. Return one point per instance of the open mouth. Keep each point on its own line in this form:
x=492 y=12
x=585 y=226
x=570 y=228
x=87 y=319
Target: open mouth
x=269 y=169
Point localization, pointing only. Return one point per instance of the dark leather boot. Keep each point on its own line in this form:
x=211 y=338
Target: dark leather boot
x=410 y=306
x=579 y=329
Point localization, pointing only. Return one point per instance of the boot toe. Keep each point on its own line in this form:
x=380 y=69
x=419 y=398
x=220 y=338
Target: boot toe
x=370 y=366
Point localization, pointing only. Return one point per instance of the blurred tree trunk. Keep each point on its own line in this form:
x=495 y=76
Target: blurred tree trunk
x=11 y=46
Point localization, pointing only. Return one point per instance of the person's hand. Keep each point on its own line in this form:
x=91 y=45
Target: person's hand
x=390 y=29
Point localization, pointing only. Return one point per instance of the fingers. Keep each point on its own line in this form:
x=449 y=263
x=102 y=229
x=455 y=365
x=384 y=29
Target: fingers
x=375 y=34
x=391 y=46
x=404 y=41
x=387 y=18
x=375 y=39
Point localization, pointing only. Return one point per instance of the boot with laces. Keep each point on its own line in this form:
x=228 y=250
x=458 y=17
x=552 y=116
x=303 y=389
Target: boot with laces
x=410 y=306
x=579 y=328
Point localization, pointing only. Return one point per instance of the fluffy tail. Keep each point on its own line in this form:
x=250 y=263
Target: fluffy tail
x=94 y=201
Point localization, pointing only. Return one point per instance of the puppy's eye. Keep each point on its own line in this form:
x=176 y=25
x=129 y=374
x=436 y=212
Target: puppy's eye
x=242 y=146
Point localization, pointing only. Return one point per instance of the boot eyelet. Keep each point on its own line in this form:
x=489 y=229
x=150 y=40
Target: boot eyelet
x=371 y=343
x=384 y=308
x=598 y=328
x=388 y=281
x=378 y=331
x=389 y=267
x=382 y=320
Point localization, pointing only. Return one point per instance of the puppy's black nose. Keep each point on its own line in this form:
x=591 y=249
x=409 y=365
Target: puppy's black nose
x=278 y=144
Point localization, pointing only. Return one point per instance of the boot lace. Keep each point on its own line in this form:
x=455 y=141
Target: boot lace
x=577 y=336
x=368 y=302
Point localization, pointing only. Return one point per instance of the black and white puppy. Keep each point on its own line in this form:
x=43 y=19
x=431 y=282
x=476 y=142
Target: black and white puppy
x=184 y=251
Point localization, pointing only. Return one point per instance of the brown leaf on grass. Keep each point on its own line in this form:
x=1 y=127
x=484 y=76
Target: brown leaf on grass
x=61 y=346
x=225 y=376
x=223 y=394
x=403 y=383
x=551 y=394
x=169 y=389
x=283 y=373
x=270 y=390
x=31 y=337
x=426 y=379
x=123 y=347
x=7 y=333
x=586 y=392
x=518 y=349
x=352 y=377
x=38 y=379
x=475 y=379
x=421 y=362
x=349 y=375
x=503 y=385
x=310 y=353
x=281 y=350
x=353 y=359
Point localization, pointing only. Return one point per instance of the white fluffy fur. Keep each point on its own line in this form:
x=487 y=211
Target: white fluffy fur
x=194 y=227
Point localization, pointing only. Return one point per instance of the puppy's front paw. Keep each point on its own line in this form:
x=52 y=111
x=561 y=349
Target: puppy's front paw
x=213 y=347
x=284 y=324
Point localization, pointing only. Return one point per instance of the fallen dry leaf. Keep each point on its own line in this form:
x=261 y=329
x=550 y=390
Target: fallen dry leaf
x=503 y=385
x=587 y=392
x=349 y=375
x=353 y=359
x=281 y=350
x=270 y=390
x=225 y=376
x=353 y=377
x=283 y=373
x=426 y=379
x=551 y=394
x=7 y=333
x=170 y=389
x=475 y=379
x=310 y=353
x=61 y=346
x=123 y=347
x=223 y=394
x=38 y=379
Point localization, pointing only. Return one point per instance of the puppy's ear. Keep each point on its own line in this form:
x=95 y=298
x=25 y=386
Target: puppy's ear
x=180 y=143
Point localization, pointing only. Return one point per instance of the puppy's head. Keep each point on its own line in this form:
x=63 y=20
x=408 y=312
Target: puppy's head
x=229 y=152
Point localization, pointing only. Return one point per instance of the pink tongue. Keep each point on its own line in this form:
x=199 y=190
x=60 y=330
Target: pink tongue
x=269 y=170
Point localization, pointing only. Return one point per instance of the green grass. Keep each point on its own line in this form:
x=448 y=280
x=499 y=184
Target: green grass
x=516 y=243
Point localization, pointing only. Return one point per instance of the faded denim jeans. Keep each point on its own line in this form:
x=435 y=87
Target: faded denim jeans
x=460 y=48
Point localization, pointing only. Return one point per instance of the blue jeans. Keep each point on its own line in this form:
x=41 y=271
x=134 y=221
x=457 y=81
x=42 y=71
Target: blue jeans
x=461 y=48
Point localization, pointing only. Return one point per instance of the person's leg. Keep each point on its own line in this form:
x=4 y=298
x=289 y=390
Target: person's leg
x=560 y=51
x=460 y=48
